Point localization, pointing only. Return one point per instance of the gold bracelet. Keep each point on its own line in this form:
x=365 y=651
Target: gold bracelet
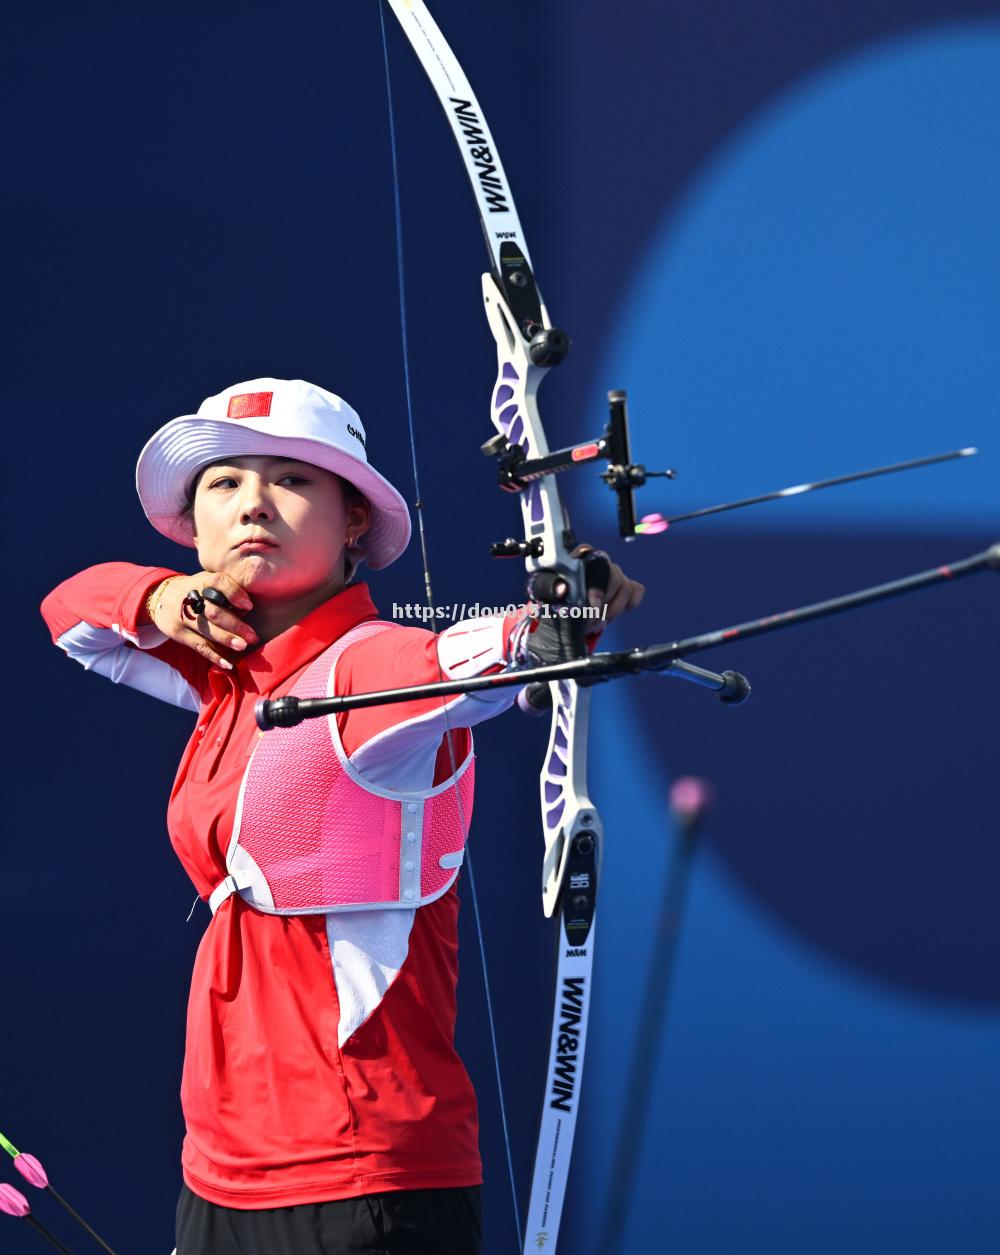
x=156 y=597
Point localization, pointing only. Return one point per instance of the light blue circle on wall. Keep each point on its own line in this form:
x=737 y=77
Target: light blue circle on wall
x=826 y=298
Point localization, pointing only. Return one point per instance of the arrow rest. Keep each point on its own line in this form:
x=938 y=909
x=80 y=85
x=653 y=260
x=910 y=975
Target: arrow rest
x=511 y=548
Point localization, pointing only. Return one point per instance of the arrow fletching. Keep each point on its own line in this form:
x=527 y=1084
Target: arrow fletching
x=32 y=1171
x=13 y=1202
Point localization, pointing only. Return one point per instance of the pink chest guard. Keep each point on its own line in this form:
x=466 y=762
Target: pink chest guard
x=311 y=836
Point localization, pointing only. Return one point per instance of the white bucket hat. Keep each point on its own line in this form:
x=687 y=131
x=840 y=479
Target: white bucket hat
x=277 y=418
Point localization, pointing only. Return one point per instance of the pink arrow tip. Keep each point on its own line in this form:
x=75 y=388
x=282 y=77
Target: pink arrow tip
x=13 y=1202
x=651 y=525
x=32 y=1171
x=690 y=797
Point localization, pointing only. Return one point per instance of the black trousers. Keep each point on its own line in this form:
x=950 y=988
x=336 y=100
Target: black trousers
x=401 y=1222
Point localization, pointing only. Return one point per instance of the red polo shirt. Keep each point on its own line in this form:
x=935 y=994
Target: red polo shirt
x=277 y=1113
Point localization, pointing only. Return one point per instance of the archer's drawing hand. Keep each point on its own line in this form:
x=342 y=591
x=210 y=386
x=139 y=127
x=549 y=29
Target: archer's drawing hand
x=204 y=626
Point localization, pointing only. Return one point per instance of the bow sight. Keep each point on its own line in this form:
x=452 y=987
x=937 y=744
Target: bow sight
x=623 y=476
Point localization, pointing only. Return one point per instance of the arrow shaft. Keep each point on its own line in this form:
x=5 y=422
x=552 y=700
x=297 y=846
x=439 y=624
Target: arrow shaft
x=797 y=490
x=81 y=1222
x=49 y=1237
x=635 y=1106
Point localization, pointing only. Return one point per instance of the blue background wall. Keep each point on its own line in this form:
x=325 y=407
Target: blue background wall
x=775 y=225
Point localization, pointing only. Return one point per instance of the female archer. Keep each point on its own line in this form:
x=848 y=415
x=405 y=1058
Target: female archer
x=326 y=1108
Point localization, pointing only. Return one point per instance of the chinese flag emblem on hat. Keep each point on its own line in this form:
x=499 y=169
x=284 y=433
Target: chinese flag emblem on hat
x=250 y=405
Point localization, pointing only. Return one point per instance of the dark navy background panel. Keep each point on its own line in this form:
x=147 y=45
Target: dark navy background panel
x=775 y=225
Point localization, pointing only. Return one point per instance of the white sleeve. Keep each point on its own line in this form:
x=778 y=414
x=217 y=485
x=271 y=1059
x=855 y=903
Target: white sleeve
x=403 y=756
x=105 y=651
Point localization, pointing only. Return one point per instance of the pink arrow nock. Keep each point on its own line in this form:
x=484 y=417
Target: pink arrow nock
x=32 y=1171
x=13 y=1202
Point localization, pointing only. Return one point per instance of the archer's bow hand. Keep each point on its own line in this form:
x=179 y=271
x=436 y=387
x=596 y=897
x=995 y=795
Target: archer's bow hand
x=561 y=628
x=615 y=595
